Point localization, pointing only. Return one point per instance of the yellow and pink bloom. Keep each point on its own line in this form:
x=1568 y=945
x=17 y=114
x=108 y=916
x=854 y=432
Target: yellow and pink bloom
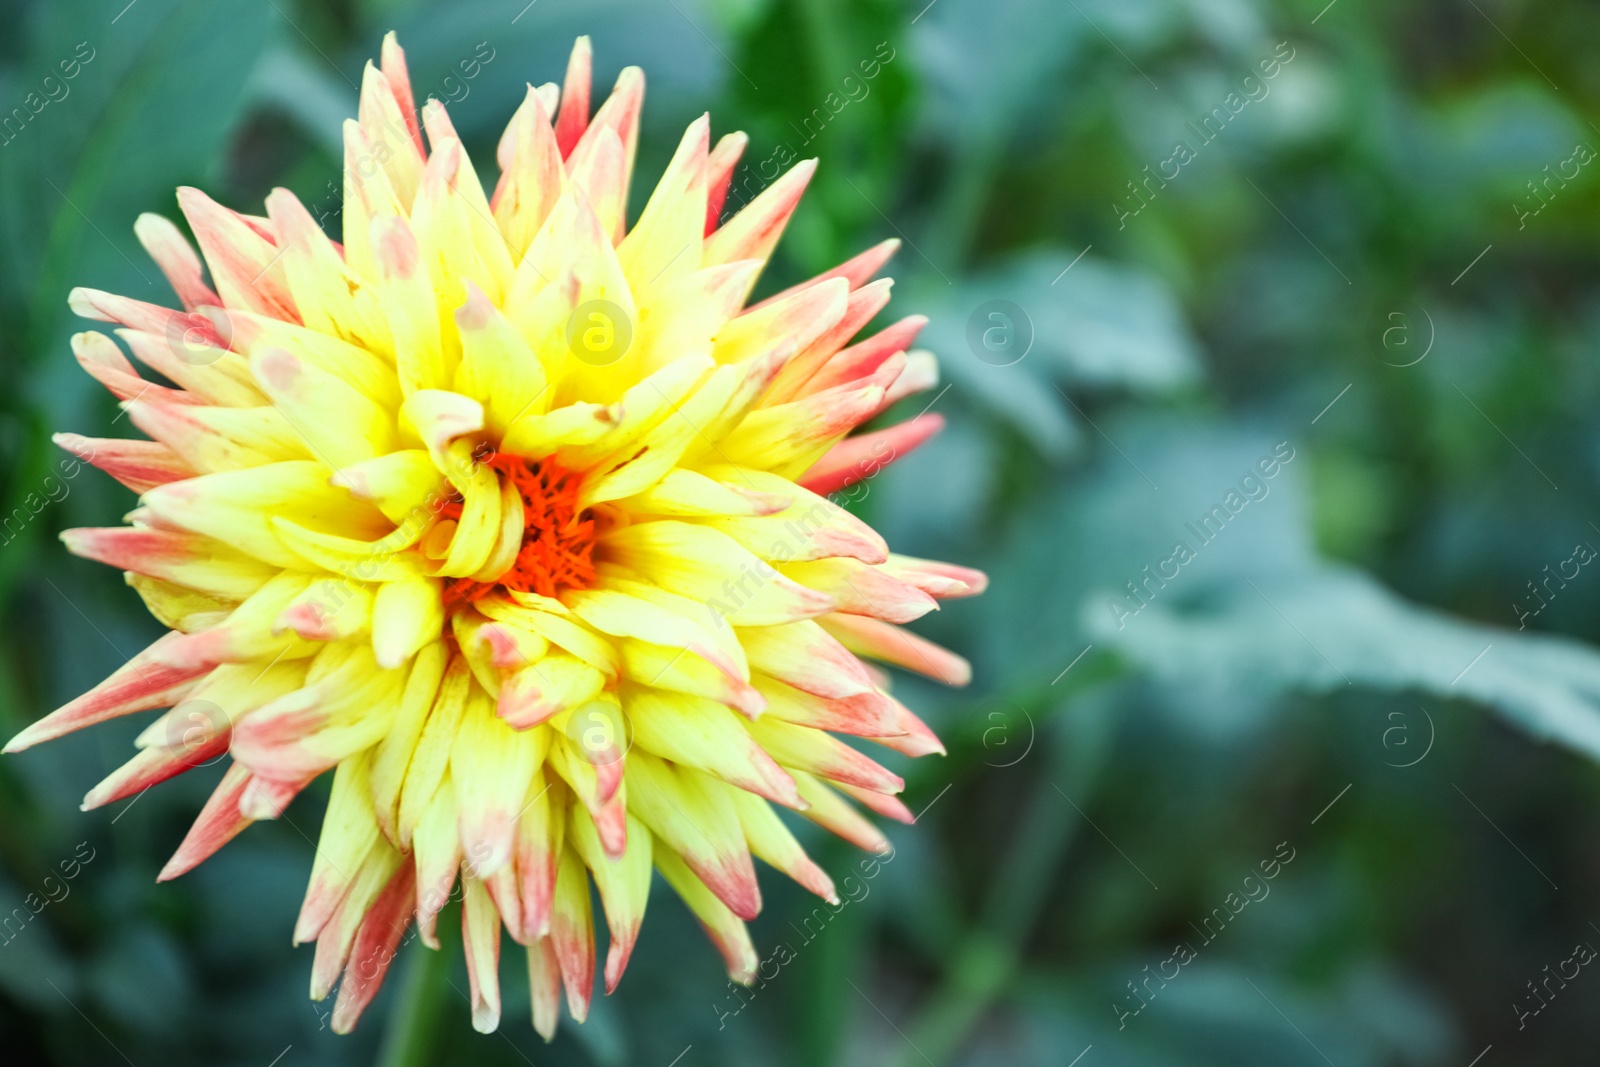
x=515 y=518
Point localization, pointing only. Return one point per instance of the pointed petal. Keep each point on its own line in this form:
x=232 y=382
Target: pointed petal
x=863 y=305
x=807 y=657
x=719 y=174
x=430 y=757
x=139 y=465
x=869 y=714
x=702 y=563
x=572 y=934
x=693 y=815
x=862 y=589
x=858 y=270
x=624 y=884
x=833 y=813
x=331 y=298
x=718 y=921
x=544 y=983
x=540 y=832
x=891 y=644
x=349 y=833
x=665 y=243
x=753 y=233
x=187 y=559
x=823 y=755
x=390 y=132
x=393 y=64
x=858 y=458
x=153 y=766
x=531 y=174
x=772 y=842
x=138 y=685
x=243 y=263
x=573 y=118
x=337 y=941
x=103 y=361
x=376 y=943
x=859 y=360
x=491 y=767
x=437 y=848
x=218 y=823
x=699 y=733
x=177 y=259
x=480 y=933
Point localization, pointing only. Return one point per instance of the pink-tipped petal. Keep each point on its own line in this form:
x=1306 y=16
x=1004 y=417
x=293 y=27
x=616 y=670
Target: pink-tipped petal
x=147 y=318
x=243 y=262
x=139 y=465
x=753 y=233
x=858 y=458
x=177 y=259
x=913 y=737
x=573 y=118
x=544 y=983
x=153 y=766
x=900 y=647
x=138 y=685
x=720 y=166
x=887 y=806
x=392 y=61
x=859 y=360
x=857 y=270
x=219 y=822
x=376 y=944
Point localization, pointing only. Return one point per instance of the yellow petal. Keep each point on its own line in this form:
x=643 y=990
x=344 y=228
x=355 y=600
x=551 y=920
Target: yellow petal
x=392 y=755
x=385 y=126
x=431 y=756
x=497 y=367
x=407 y=615
x=404 y=485
x=665 y=243
x=331 y=298
x=708 y=565
x=491 y=766
x=531 y=174
x=339 y=423
x=546 y=688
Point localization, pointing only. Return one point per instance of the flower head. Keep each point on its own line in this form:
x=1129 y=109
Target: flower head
x=514 y=518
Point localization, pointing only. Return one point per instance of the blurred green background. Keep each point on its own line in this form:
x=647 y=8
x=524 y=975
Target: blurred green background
x=1379 y=260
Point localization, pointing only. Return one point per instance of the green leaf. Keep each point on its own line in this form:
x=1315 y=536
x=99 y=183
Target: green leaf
x=1334 y=628
x=1010 y=333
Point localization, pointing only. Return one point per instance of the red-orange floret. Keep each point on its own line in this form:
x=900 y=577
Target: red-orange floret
x=557 y=538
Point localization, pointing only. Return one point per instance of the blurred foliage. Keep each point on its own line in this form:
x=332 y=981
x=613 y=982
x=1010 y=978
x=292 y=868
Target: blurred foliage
x=1352 y=267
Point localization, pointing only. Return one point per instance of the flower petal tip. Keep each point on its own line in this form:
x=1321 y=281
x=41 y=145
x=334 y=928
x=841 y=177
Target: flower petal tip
x=25 y=739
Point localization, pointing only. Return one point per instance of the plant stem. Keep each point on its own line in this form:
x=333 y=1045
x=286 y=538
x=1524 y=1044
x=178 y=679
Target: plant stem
x=414 y=1018
x=984 y=962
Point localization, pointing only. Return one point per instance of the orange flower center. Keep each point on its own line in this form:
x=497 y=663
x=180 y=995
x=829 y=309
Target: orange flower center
x=557 y=538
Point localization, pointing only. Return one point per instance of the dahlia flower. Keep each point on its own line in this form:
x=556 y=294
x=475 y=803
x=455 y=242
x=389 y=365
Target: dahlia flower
x=514 y=517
